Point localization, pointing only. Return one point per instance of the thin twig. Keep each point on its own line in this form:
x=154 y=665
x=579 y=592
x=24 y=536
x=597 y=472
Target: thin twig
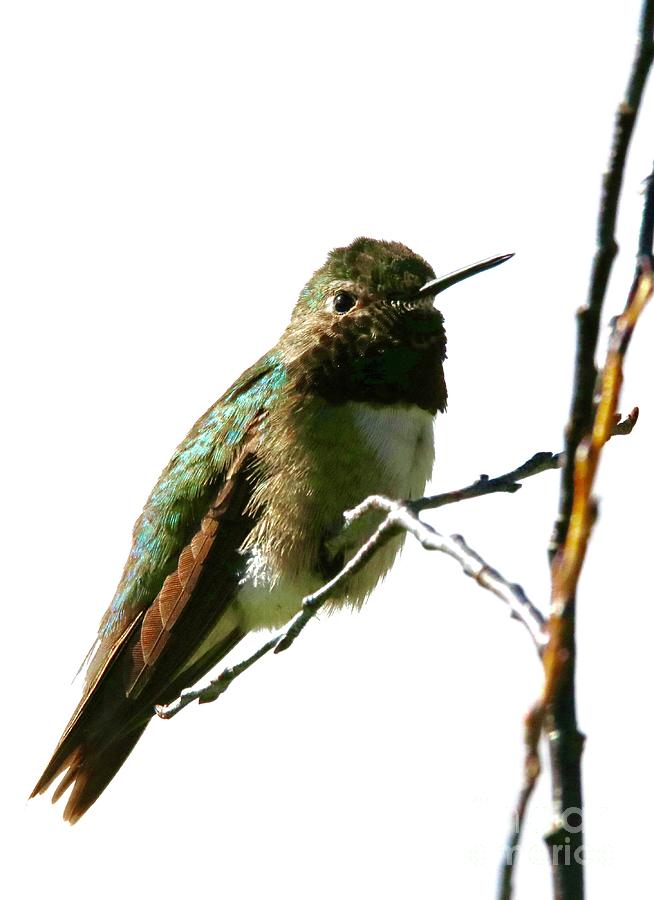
x=518 y=817
x=509 y=483
x=309 y=608
x=216 y=687
x=399 y=517
x=625 y=426
x=403 y=518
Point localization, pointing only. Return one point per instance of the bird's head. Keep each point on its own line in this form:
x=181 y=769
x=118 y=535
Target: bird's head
x=365 y=327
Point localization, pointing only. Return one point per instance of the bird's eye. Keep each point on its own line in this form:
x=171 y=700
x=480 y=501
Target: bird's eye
x=343 y=302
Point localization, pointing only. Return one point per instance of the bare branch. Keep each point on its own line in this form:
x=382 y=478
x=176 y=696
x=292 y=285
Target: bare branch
x=589 y=428
x=530 y=777
x=537 y=716
x=216 y=687
x=531 y=772
x=588 y=317
x=507 y=483
x=402 y=517
x=557 y=700
x=399 y=517
x=556 y=704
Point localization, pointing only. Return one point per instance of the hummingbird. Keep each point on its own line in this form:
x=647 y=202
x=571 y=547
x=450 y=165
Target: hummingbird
x=244 y=520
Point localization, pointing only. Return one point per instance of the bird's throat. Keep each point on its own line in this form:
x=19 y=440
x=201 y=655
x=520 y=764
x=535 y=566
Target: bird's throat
x=389 y=375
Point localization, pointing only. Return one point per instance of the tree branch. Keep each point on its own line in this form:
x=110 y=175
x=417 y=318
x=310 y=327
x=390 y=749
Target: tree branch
x=402 y=517
x=399 y=517
x=555 y=709
x=558 y=700
x=588 y=316
x=589 y=428
x=509 y=483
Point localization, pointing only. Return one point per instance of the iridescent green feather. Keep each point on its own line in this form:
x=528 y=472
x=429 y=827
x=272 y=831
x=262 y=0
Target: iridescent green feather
x=185 y=489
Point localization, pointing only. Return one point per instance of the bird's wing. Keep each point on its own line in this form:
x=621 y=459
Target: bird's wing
x=148 y=638
x=185 y=490
x=194 y=597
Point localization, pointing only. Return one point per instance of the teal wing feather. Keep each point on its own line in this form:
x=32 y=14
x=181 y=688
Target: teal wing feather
x=184 y=492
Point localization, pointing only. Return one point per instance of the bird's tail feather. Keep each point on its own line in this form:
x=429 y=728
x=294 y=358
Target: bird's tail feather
x=90 y=769
x=105 y=729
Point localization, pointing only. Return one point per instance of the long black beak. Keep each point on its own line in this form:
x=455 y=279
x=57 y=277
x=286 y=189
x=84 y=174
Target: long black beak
x=440 y=284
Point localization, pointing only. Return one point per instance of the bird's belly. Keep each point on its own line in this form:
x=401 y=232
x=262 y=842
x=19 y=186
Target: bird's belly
x=268 y=600
x=363 y=450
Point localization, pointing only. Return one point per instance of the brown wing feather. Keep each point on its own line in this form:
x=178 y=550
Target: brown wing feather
x=160 y=622
x=143 y=667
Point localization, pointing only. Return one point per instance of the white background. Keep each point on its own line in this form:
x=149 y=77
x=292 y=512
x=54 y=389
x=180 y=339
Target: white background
x=172 y=174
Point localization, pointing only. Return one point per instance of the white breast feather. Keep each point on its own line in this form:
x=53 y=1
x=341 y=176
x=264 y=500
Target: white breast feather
x=402 y=441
